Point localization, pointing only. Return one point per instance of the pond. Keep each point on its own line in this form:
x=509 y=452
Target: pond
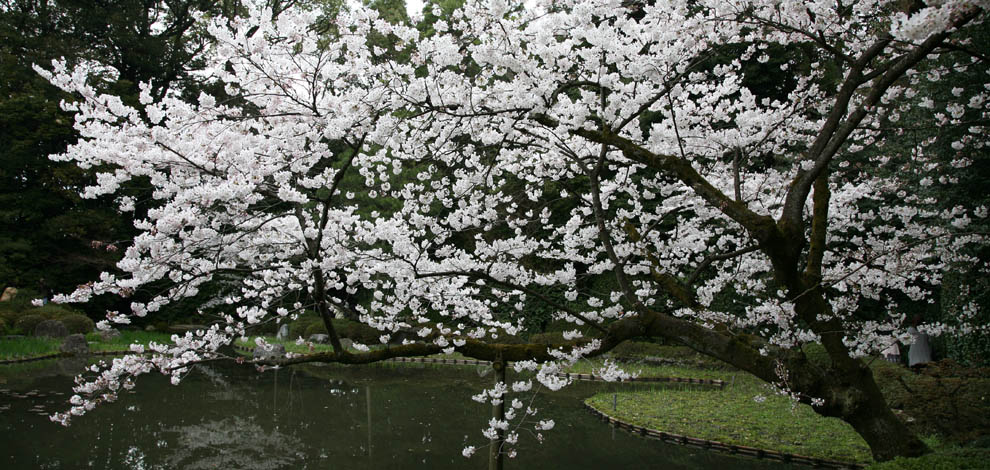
x=368 y=417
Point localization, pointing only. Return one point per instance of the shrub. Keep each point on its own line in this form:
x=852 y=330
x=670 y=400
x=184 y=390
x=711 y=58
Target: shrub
x=52 y=311
x=8 y=312
x=298 y=326
x=78 y=323
x=22 y=301
x=942 y=398
x=356 y=331
x=642 y=348
x=26 y=323
x=547 y=338
x=314 y=328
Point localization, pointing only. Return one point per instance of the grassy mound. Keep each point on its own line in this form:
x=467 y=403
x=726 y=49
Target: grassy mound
x=732 y=415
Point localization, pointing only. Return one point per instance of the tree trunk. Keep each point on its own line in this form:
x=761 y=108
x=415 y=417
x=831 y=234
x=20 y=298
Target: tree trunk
x=867 y=412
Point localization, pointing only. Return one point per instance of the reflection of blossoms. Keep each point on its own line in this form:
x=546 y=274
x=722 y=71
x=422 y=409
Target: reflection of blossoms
x=234 y=442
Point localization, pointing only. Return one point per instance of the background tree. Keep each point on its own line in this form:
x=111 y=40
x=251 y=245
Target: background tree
x=49 y=231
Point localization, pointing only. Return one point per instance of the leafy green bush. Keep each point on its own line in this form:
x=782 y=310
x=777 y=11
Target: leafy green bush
x=942 y=398
x=550 y=337
x=955 y=459
x=78 y=323
x=314 y=328
x=12 y=312
x=3 y=326
x=52 y=311
x=22 y=300
x=299 y=326
x=26 y=323
x=642 y=349
x=356 y=331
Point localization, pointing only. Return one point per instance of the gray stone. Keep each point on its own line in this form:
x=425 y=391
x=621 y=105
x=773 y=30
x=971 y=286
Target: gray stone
x=149 y=328
x=277 y=352
x=75 y=345
x=51 y=329
x=346 y=343
x=319 y=338
x=110 y=334
x=283 y=332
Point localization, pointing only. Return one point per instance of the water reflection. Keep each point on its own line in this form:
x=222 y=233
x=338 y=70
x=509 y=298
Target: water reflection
x=308 y=418
x=233 y=442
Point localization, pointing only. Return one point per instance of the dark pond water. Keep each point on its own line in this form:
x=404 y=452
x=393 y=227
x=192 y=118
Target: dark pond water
x=371 y=417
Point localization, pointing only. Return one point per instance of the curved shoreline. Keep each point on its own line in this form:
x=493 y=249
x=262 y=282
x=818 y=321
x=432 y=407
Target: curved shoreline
x=63 y=355
x=564 y=375
x=721 y=446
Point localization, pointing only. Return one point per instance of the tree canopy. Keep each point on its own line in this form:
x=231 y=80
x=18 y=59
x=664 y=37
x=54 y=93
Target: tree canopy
x=729 y=176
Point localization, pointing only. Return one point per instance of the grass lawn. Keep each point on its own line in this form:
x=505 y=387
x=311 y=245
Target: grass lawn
x=290 y=345
x=730 y=415
x=29 y=346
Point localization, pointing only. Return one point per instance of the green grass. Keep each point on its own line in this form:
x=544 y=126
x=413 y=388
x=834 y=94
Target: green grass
x=29 y=346
x=731 y=415
x=126 y=338
x=290 y=345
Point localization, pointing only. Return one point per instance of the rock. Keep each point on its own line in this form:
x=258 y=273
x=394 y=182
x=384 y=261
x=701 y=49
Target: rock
x=319 y=338
x=51 y=329
x=149 y=328
x=283 y=332
x=75 y=345
x=110 y=334
x=8 y=294
x=277 y=352
x=346 y=343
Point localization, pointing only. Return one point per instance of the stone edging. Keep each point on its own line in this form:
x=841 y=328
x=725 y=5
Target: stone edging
x=593 y=378
x=723 y=447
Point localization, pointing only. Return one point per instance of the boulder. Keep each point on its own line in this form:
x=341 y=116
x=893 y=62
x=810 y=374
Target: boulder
x=51 y=329
x=75 y=345
x=319 y=338
x=283 y=332
x=8 y=294
x=277 y=352
x=346 y=343
x=110 y=334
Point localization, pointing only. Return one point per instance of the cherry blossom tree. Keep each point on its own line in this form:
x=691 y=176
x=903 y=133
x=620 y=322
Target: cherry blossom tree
x=612 y=161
